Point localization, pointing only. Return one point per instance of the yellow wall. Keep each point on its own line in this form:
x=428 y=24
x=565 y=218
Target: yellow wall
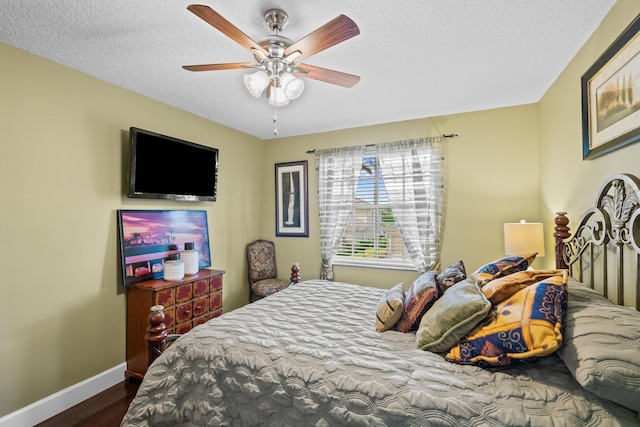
x=567 y=182
x=62 y=167
x=63 y=143
x=491 y=178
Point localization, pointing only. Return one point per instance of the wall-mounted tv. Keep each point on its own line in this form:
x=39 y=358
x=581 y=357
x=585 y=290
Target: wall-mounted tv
x=163 y=167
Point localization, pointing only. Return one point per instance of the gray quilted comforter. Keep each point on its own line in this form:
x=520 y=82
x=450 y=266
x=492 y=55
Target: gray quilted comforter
x=310 y=356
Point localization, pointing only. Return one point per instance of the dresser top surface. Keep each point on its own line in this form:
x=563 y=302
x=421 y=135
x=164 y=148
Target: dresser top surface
x=158 y=284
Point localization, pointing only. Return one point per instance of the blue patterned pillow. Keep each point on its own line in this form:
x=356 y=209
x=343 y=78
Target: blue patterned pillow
x=522 y=328
x=450 y=276
x=502 y=267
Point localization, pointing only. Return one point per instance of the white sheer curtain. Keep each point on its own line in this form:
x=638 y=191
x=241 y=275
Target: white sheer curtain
x=338 y=172
x=413 y=175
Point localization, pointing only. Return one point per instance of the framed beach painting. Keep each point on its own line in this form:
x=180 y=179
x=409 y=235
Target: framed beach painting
x=611 y=96
x=292 y=201
x=148 y=237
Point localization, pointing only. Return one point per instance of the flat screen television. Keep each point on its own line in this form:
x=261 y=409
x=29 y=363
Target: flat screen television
x=163 y=167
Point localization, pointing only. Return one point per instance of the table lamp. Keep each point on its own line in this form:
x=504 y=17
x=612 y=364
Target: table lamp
x=523 y=238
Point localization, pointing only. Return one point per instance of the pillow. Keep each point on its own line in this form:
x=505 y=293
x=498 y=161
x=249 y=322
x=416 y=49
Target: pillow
x=500 y=289
x=450 y=276
x=390 y=308
x=502 y=267
x=602 y=347
x=452 y=317
x=524 y=327
x=417 y=300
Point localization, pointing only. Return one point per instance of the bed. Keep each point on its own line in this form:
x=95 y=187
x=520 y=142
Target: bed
x=322 y=353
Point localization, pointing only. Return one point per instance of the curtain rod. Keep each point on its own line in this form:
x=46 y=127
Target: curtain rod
x=447 y=135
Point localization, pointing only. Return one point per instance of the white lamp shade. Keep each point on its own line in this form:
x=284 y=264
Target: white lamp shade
x=256 y=82
x=523 y=237
x=293 y=86
x=277 y=97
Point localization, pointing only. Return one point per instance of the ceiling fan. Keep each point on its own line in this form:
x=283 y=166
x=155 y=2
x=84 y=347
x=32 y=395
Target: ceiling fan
x=277 y=58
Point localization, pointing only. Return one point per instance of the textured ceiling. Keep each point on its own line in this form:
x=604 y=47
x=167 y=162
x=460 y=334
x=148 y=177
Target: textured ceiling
x=416 y=58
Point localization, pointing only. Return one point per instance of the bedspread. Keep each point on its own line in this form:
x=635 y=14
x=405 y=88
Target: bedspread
x=310 y=355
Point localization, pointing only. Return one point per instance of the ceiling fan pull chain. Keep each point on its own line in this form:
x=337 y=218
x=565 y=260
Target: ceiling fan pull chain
x=275 y=120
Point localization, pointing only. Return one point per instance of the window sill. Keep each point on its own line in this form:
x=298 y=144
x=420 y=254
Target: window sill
x=372 y=263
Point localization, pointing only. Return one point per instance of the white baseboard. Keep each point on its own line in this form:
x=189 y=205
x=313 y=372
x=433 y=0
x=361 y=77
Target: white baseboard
x=58 y=402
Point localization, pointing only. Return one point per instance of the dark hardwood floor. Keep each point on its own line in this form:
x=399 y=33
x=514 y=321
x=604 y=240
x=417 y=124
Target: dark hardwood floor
x=105 y=409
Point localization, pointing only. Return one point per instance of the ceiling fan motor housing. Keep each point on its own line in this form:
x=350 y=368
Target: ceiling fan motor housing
x=276 y=19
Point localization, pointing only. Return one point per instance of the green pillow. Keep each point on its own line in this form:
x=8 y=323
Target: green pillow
x=452 y=317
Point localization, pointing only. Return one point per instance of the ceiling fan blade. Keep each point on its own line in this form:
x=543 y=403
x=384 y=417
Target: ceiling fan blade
x=333 y=32
x=215 y=67
x=217 y=21
x=328 y=76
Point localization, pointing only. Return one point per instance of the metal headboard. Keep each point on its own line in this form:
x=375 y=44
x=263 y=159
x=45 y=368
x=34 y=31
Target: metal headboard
x=610 y=229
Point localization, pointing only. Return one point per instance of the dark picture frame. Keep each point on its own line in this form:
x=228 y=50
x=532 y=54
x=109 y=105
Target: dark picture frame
x=611 y=96
x=148 y=237
x=292 y=201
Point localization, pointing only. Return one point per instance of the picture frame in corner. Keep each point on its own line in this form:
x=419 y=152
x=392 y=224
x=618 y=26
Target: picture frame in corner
x=611 y=96
x=292 y=199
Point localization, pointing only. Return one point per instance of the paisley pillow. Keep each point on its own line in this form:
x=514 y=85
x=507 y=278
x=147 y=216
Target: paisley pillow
x=522 y=328
x=502 y=267
x=417 y=300
x=502 y=288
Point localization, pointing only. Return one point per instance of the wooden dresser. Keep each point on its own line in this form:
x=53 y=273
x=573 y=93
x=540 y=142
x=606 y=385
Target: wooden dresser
x=187 y=303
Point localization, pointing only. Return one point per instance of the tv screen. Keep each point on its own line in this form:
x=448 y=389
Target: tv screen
x=163 y=167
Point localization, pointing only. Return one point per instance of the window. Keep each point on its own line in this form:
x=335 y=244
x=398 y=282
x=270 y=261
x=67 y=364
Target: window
x=371 y=236
x=381 y=206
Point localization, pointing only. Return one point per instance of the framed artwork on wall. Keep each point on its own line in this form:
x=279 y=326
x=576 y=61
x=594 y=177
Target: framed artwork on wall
x=611 y=96
x=292 y=201
x=148 y=237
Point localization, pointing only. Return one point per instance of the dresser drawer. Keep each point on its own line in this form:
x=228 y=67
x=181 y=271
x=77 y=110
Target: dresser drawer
x=169 y=315
x=165 y=297
x=200 y=320
x=184 y=313
x=183 y=329
x=215 y=302
x=184 y=292
x=200 y=288
x=200 y=306
x=215 y=284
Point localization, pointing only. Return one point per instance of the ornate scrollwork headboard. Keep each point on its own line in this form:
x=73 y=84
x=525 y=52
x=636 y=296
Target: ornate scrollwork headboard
x=611 y=227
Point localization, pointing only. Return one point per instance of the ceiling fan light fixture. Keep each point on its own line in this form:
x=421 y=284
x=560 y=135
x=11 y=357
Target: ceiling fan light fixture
x=277 y=98
x=256 y=82
x=293 y=86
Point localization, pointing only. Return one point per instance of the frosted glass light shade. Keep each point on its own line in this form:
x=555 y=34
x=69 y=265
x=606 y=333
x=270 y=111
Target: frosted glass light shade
x=256 y=82
x=523 y=237
x=293 y=86
x=278 y=97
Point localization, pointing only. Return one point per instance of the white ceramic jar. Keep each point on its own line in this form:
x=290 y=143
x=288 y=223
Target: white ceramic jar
x=190 y=258
x=173 y=268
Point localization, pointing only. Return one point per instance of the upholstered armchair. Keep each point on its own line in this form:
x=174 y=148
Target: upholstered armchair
x=263 y=280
